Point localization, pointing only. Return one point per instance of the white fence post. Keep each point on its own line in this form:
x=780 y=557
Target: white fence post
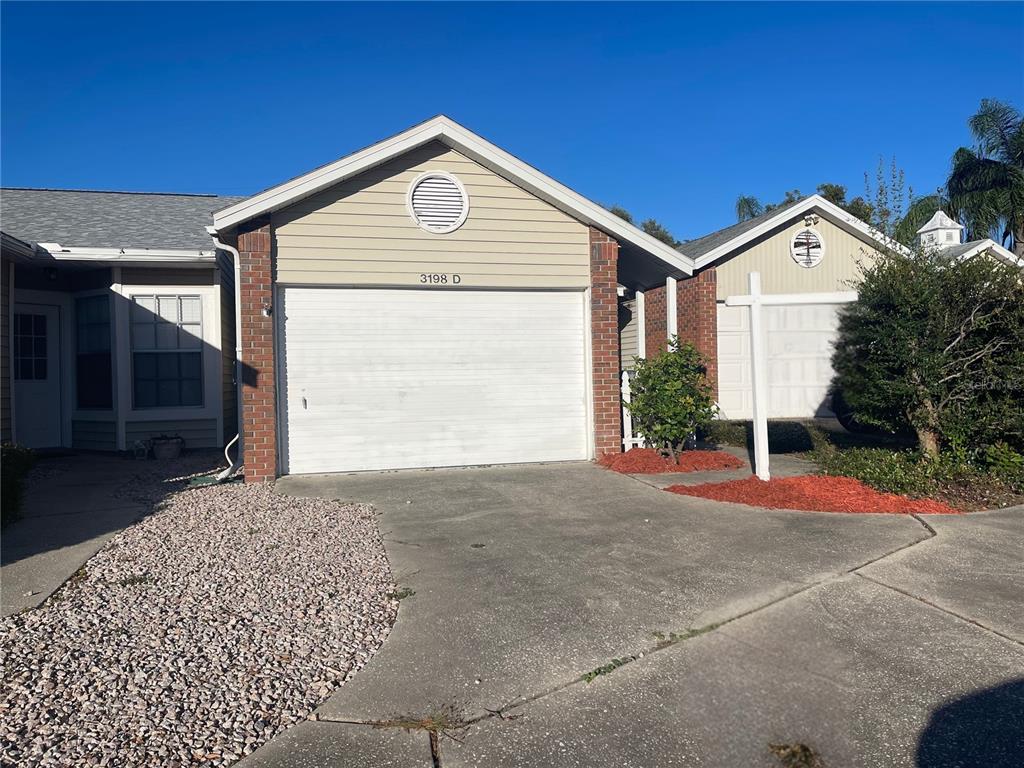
x=627 y=417
x=759 y=364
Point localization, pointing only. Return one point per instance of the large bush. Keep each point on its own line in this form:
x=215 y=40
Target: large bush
x=671 y=397
x=935 y=344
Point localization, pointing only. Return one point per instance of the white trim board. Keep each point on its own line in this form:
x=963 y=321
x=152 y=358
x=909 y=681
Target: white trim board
x=128 y=256
x=997 y=250
x=817 y=203
x=450 y=133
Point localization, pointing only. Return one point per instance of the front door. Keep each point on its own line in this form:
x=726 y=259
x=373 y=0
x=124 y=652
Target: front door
x=36 y=375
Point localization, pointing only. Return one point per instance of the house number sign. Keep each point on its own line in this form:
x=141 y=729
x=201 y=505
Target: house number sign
x=439 y=278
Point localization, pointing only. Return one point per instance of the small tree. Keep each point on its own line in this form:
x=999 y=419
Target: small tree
x=935 y=343
x=671 y=397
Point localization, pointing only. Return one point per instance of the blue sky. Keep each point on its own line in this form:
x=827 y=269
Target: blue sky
x=671 y=110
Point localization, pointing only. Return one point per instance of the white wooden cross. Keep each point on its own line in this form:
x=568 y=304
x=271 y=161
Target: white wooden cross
x=758 y=363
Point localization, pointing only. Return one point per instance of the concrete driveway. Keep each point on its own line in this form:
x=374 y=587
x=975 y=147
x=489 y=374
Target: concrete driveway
x=877 y=640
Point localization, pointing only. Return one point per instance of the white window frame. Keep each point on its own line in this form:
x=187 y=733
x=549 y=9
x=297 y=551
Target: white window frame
x=176 y=297
x=437 y=175
x=211 y=358
x=792 y=247
x=93 y=414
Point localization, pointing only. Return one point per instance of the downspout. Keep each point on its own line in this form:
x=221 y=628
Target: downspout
x=235 y=464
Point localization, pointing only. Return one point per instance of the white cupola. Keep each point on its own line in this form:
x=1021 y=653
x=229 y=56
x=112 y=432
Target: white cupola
x=940 y=232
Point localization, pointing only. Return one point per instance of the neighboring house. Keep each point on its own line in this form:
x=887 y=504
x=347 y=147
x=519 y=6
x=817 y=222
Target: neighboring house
x=117 y=320
x=808 y=246
x=428 y=301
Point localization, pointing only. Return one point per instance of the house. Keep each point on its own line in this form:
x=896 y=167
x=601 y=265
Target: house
x=431 y=301
x=808 y=246
x=117 y=320
x=428 y=301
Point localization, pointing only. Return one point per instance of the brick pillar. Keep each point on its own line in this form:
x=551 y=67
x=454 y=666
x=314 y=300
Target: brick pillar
x=604 y=330
x=655 y=323
x=697 y=316
x=259 y=420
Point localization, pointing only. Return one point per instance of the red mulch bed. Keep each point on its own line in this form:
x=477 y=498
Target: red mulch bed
x=648 y=461
x=814 y=493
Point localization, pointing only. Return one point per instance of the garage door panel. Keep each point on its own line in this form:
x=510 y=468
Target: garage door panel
x=799 y=341
x=383 y=379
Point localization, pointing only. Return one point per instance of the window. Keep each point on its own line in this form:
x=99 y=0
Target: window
x=94 y=382
x=807 y=247
x=437 y=202
x=167 y=362
x=29 y=347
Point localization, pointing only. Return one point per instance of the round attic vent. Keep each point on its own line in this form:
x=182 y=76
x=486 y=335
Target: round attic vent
x=807 y=247
x=438 y=202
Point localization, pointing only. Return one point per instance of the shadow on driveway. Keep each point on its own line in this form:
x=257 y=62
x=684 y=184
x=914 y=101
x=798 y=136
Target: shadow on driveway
x=985 y=729
x=71 y=508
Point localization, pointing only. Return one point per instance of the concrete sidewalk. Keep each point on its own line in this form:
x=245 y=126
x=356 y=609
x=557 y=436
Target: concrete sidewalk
x=69 y=512
x=875 y=639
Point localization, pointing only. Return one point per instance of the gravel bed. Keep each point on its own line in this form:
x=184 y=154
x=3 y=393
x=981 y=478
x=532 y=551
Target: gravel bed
x=198 y=634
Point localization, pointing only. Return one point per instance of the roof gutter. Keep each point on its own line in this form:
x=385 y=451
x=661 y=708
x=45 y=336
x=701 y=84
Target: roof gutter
x=234 y=464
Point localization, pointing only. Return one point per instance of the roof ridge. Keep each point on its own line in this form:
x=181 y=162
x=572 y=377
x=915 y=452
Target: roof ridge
x=116 y=192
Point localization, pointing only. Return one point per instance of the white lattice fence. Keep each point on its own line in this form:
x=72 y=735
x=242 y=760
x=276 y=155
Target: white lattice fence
x=629 y=440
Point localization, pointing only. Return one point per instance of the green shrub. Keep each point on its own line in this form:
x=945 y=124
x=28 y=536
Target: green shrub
x=905 y=472
x=933 y=343
x=16 y=462
x=671 y=397
x=1005 y=463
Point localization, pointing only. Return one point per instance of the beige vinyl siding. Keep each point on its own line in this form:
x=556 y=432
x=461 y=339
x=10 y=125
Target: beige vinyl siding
x=94 y=435
x=227 y=347
x=628 y=337
x=198 y=433
x=359 y=232
x=780 y=274
x=5 y=352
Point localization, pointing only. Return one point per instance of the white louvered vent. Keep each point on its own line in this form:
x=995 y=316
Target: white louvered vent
x=438 y=202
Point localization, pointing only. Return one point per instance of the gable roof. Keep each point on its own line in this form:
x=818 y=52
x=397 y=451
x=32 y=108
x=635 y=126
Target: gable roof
x=450 y=133
x=707 y=243
x=721 y=244
x=88 y=219
x=974 y=247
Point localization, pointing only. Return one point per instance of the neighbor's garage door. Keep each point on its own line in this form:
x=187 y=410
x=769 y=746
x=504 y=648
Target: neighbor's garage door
x=386 y=379
x=799 y=342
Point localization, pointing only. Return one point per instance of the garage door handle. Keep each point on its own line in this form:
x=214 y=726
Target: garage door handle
x=304 y=403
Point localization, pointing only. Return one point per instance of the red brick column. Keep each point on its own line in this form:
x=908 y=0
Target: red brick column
x=655 y=322
x=697 y=317
x=259 y=420
x=604 y=331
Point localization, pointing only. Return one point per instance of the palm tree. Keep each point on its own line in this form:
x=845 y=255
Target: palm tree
x=748 y=207
x=986 y=184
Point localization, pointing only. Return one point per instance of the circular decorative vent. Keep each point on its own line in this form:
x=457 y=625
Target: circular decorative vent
x=807 y=247
x=438 y=202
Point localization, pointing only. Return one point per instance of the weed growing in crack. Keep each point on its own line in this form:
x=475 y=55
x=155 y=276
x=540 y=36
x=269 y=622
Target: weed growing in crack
x=796 y=755
x=604 y=669
x=401 y=594
x=449 y=721
x=665 y=639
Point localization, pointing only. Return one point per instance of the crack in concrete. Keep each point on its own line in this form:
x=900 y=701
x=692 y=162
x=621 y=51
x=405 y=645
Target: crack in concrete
x=941 y=609
x=500 y=713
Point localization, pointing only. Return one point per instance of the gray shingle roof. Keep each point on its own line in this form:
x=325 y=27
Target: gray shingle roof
x=701 y=245
x=77 y=218
x=956 y=251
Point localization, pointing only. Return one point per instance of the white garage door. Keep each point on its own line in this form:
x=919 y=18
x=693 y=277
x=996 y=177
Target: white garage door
x=389 y=379
x=799 y=343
